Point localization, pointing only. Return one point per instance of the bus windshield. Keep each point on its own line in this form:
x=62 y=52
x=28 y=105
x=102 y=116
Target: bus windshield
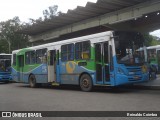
x=5 y=63
x=128 y=45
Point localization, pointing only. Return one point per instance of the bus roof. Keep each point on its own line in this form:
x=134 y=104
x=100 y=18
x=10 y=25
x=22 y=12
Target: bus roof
x=78 y=39
x=4 y=54
x=154 y=47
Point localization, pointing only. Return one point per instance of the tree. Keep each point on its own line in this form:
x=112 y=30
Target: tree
x=151 y=40
x=8 y=36
x=50 y=12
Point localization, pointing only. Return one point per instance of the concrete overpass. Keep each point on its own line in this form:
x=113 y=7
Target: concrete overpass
x=139 y=15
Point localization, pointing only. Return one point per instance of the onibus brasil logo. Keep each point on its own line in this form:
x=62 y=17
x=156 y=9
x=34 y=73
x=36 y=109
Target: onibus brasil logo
x=21 y=114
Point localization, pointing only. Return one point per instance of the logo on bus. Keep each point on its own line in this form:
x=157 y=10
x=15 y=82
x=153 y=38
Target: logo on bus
x=70 y=66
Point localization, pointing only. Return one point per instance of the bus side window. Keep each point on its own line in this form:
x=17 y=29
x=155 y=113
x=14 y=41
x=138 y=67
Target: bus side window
x=86 y=50
x=44 y=56
x=111 y=58
x=2 y=66
x=67 y=52
x=57 y=57
x=106 y=52
x=98 y=54
x=30 y=57
x=33 y=57
x=64 y=52
x=82 y=50
x=41 y=56
x=27 y=58
x=14 y=59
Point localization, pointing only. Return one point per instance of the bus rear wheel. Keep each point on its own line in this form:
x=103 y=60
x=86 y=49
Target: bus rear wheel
x=32 y=81
x=86 y=83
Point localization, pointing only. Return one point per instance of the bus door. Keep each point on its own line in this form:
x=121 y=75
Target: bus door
x=51 y=65
x=20 y=67
x=102 y=63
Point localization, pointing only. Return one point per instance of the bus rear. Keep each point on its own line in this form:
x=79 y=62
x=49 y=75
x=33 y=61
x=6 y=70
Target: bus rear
x=5 y=68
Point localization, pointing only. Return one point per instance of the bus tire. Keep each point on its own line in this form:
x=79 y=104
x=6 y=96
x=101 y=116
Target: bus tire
x=86 y=83
x=32 y=81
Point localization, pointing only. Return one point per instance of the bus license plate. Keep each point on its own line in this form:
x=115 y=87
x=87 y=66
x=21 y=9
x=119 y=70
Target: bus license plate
x=136 y=77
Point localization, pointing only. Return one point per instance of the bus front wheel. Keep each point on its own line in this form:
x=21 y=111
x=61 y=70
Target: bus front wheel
x=32 y=81
x=86 y=83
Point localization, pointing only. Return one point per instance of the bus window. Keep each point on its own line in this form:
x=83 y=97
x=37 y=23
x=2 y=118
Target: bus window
x=152 y=55
x=27 y=58
x=64 y=52
x=7 y=63
x=2 y=66
x=57 y=57
x=21 y=61
x=52 y=57
x=30 y=57
x=111 y=58
x=158 y=57
x=98 y=53
x=127 y=45
x=106 y=52
x=67 y=52
x=41 y=56
x=14 y=59
x=78 y=50
x=44 y=55
x=82 y=50
x=71 y=52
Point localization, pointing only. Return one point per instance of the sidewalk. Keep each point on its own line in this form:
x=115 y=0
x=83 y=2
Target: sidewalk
x=151 y=84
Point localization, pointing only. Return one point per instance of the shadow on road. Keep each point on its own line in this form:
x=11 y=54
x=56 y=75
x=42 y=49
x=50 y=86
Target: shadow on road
x=2 y=83
x=101 y=89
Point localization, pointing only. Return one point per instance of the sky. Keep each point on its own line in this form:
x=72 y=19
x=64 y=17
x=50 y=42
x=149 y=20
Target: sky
x=155 y=33
x=26 y=9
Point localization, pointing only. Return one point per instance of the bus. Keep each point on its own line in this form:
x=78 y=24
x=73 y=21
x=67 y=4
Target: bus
x=5 y=67
x=153 y=56
x=102 y=59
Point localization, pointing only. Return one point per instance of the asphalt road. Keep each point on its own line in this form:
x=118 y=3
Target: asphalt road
x=20 y=97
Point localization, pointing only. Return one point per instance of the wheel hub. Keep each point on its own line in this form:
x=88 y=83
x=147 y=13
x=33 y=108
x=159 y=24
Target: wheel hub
x=85 y=83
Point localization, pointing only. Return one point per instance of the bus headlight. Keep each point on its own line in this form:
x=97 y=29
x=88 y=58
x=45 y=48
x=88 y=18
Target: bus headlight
x=144 y=69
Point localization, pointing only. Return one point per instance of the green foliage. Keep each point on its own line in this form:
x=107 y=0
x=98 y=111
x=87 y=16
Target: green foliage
x=151 y=40
x=50 y=12
x=3 y=46
x=8 y=35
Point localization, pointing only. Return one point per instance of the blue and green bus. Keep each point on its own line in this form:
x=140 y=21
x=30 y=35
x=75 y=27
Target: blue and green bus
x=153 y=56
x=5 y=67
x=104 y=59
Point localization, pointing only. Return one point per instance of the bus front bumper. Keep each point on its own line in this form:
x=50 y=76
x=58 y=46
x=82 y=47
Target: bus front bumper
x=124 y=79
x=5 y=78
